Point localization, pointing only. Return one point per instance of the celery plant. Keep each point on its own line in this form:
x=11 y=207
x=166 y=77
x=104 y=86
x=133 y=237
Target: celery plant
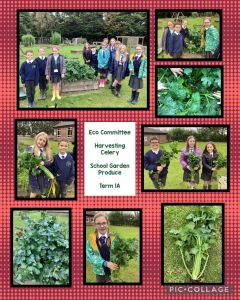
x=195 y=238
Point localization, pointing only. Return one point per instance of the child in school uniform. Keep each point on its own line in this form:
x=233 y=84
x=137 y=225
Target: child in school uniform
x=55 y=70
x=164 y=42
x=138 y=71
x=29 y=74
x=120 y=69
x=157 y=173
x=112 y=49
x=39 y=184
x=191 y=146
x=87 y=54
x=209 y=155
x=210 y=38
x=42 y=62
x=63 y=168
x=184 y=30
x=94 y=59
x=103 y=59
x=176 y=42
x=98 y=249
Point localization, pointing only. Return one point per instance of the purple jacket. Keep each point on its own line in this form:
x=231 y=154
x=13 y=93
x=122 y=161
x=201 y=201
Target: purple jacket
x=183 y=160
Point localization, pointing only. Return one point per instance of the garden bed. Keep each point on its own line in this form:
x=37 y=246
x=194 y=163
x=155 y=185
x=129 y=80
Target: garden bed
x=78 y=86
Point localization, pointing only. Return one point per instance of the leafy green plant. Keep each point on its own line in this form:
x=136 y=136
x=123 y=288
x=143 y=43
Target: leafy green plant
x=76 y=71
x=55 y=38
x=190 y=94
x=42 y=252
x=166 y=157
x=193 y=161
x=28 y=40
x=194 y=41
x=32 y=163
x=221 y=161
x=123 y=251
x=195 y=239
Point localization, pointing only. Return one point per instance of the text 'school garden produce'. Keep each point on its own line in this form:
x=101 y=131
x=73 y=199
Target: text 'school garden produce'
x=194 y=240
x=42 y=252
x=190 y=94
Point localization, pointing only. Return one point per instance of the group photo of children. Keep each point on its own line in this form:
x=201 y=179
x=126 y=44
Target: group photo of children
x=81 y=59
x=113 y=241
x=45 y=159
x=185 y=158
x=188 y=34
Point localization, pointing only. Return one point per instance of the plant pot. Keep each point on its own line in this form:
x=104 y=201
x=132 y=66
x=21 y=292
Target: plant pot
x=79 y=86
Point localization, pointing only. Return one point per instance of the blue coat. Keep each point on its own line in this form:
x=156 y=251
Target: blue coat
x=29 y=72
x=103 y=61
x=150 y=159
x=125 y=71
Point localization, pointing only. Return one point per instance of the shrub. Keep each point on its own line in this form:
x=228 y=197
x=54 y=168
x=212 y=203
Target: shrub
x=55 y=38
x=28 y=40
x=76 y=71
x=195 y=14
x=42 y=253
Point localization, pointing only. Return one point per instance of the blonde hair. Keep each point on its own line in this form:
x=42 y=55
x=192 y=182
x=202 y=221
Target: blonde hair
x=125 y=54
x=100 y=214
x=47 y=153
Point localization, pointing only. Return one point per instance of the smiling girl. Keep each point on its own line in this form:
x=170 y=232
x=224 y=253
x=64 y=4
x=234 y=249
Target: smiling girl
x=208 y=157
x=98 y=249
x=39 y=184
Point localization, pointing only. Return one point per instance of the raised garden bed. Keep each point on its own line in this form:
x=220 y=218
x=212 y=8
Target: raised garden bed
x=78 y=86
x=76 y=51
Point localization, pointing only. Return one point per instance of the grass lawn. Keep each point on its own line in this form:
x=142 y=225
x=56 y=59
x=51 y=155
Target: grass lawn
x=175 y=172
x=101 y=98
x=174 y=271
x=128 y=274
x=193 y=24
x=22 y=178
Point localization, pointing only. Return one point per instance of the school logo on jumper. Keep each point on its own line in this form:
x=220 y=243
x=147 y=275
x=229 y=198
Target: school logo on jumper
x=68 y=164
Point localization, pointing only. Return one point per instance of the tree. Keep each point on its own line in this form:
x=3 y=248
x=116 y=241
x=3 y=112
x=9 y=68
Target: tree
x=34 y=127
x=43 y=23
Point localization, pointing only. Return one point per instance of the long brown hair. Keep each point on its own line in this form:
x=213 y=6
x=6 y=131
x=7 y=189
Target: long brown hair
x=187 y=145
x=214 y=148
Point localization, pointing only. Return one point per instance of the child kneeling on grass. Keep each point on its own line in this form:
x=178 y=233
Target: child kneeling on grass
x=157 y=173
x=98 y=249
x=63 y=168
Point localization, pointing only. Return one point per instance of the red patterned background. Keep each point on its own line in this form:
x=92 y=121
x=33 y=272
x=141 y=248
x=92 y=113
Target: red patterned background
x=149 y=202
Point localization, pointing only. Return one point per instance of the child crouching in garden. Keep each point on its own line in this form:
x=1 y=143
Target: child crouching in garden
x=98 y=249
x=55 y=70
x=191 y=169
x=39 y=184
x=157 y=172
x=208 y=157
x=138 y=71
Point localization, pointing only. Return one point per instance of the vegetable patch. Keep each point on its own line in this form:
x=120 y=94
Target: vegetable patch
x=190 y=94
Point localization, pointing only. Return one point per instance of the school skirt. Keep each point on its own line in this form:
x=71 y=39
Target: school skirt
x=206 y=175
x=42 y=188
x=55 y=78
x=187 y=176
x=135 y=83
x=119 y=76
